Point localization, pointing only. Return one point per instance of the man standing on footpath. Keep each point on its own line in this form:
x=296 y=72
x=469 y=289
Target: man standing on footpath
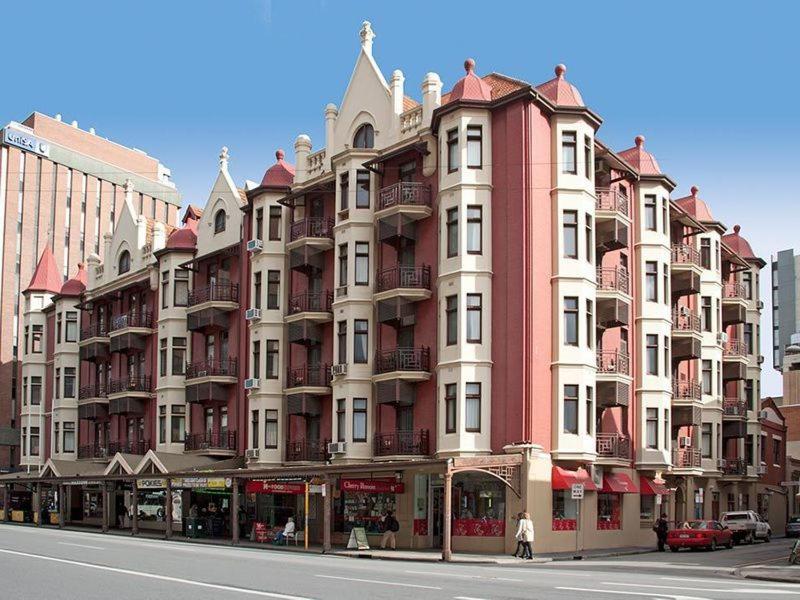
x=661 y=528
x=390 y=527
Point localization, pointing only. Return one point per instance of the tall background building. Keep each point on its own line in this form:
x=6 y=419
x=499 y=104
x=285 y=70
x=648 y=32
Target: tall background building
x=785 y=306
x=60 y=186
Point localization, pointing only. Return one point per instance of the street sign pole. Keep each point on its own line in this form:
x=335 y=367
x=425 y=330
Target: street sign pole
x=577 y=495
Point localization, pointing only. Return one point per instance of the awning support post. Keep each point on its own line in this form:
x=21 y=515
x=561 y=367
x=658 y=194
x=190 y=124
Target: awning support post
x=168 y=509
x=326 y=515
x=135 y=508
x=235 y=512
x=447 y=553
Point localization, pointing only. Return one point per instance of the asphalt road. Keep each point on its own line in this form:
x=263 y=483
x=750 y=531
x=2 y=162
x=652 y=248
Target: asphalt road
x=48 y=563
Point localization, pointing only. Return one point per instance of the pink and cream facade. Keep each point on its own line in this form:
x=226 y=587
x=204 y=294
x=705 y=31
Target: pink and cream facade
x=467 y=300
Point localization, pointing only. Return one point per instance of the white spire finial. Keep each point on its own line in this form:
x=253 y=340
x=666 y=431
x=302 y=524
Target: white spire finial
x=367 y=35
x=128 y=186
x=223 y=158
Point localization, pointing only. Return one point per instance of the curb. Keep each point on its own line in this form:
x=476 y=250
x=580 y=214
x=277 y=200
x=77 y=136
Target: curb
x=610 y=554
x=477 y=561
x=773 y=578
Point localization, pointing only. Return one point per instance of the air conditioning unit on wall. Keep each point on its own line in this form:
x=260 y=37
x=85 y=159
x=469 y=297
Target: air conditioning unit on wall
x=337 y=370
x=337 y=447
x=255 y=246
x=251 y=384
x=252 y=314
x=251 y=453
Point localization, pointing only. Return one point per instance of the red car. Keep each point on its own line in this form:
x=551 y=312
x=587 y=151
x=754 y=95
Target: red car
x=700 y=534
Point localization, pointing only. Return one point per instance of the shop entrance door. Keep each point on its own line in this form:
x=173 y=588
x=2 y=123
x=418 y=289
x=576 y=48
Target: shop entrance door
x=437 y=515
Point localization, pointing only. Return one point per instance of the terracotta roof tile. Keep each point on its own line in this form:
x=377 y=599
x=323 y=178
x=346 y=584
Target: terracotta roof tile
x=409 y=103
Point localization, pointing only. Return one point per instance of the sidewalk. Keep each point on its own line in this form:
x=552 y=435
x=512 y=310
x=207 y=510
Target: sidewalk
x=784 y=573
x=496 y=559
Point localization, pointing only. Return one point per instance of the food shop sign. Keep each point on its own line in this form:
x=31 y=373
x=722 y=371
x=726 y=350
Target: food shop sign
x=275 y=487
x=374 y=486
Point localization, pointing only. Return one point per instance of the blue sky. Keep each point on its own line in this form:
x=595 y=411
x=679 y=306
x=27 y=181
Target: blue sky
x=712 y=85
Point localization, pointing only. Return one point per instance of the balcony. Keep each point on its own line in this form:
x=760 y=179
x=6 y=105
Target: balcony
x=402 y=443
x=409 y=198
x=686 y=390
x=307 y=450
x=93 y=343
x=613 y=362
x=210 y=380
x=411 y=282
x=94 y=452
x=93 y=391
x=613 y=446
x=734 y=408
x=734 y=467
x=129 y=331
x=211 y=443
x=685 y=322
x=213 y=369
x=309 y=379
x=410 y=364
x=734 y=292
x=139 y=385
x=611 y=235
x=127 y=396
x=138 y=447
x=209 y=306
x=612 y=280
x=686 y=458
x=312 y=231
x=315 y=306
x=734 y=350
x=685 y=257
x=611 y=204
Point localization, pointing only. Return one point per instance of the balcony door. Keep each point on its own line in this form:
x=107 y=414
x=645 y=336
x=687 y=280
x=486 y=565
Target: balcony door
x=316 y=208
x=312 y=429
x=406 y=253
x=405 y=337
x=314 y=357
x=404 y=418
x=223 y=421
x=210 y=348
x=209 y=420
x=223 y=346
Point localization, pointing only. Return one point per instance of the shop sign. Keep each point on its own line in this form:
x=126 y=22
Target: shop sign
x=212 y=483
x=25 y=141
x=358 y=539
x=81 y=482
x=152 y=484
x=274 y=487
x=374 y=486
x=177 y=506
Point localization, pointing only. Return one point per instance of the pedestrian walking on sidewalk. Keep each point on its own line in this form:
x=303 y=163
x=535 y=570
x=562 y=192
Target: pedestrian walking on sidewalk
x=519 y=551
x=390 y=528
x=661 y=528
x=525 y=535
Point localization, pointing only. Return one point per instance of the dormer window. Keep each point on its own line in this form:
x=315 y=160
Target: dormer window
x=124 y=264
x=365 y=137
x=219 y=221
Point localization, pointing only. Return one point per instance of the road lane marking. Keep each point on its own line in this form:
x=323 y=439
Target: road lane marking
x=202 y=584
x=694 y=589
x=731 y=581
x=411 y=585
x=81 y=546
x=595 y=591
x=467 y=598
x=463 y=576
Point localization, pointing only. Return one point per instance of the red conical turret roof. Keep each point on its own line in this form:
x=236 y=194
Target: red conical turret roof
x=45 y=277
x=76 y=285
x=640 y=159
x=560 y=91
x=470 y=87
x=281 y=174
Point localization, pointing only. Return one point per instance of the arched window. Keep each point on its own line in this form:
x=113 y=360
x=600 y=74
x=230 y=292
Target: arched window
x=365 y=137
x=124 y=262
x=219 y=221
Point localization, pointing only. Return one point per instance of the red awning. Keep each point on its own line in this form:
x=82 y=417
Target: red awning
x=563 y=479
x=618 y=483
x=650 y=488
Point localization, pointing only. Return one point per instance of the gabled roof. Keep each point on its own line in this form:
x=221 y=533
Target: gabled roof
x=192 y=211
x=72 y=468
x=640 y=159
x=559 y=91
x=46 y=277
x=76 y=285
x=281 y=174
x=165 y=462
x=123 y=463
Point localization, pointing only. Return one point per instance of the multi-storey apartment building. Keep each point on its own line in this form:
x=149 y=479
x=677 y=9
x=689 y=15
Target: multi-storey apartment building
x=60 y=188
x=785 y=270
x=453 y=309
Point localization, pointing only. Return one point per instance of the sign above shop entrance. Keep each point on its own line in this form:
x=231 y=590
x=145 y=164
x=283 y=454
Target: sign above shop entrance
x=373 y=486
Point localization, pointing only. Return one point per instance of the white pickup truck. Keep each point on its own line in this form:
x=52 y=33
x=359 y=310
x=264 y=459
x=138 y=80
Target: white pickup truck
x=746 y=526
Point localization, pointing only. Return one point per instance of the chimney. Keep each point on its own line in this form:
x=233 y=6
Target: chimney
x=331 y=112
x=302 y=148
x=431 y=96
x=397 y=91
x=159 y=236
x=367 y=35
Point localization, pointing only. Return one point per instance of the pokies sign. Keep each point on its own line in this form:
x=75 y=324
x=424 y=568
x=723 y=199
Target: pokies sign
x=373 y=486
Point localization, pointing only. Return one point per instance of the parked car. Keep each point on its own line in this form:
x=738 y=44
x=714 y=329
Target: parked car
x=700 y=534
x=793 y=527
x=747 y=526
